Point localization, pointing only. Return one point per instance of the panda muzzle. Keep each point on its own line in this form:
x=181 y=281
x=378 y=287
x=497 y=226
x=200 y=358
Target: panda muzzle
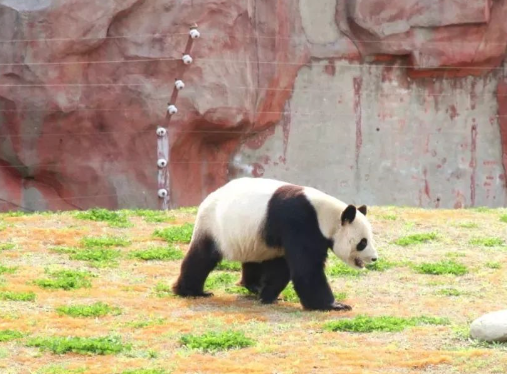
x=358 y=262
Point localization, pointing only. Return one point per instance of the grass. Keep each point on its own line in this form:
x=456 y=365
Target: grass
x=216 y=341
x=365 y=324
x=487 y=242
x=169 y=253
x=97 y=256
x=389 y=217
x=337 y=268
x=229 y=266
x=82 y=345
x=60 y=369
x=218 y=280
x=468 y=225
x=146 y=323
x=175 y=234
x=163 y=290
x=446 y=267
x=96 y=310
x=114 y=219
x=289 y=294
x=493 y=265
x=415 y=239
x=286 y=337
x=503 y=218
x=8 y=335
x=144 y=371
x=152 y=216
x=6 y=246
x=65 y=280
x=449 y=292
x=7 y=269
x=104 y=242
x=17 y=296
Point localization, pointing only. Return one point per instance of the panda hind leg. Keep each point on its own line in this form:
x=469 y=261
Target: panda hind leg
x=251 y=273
x=202 y=257
x=275 y=277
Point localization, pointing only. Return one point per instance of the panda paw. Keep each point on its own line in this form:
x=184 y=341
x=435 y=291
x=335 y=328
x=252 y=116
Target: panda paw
x=340 y=306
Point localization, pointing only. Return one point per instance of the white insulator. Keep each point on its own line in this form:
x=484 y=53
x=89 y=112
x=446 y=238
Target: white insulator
x=187 y=60
x=179 y=84
x=162 y=193
x=162 y=163
x=194 y=34
x=161 y=131
x=172 y=109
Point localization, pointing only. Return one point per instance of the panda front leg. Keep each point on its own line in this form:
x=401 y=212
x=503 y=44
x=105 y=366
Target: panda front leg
x=275 y=277
x=202 y=257
x=251 y=273
x=310 y=282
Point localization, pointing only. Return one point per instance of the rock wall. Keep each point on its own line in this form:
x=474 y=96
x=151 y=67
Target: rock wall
x=374 y=101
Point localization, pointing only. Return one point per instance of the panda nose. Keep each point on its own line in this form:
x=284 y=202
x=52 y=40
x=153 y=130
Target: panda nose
x=373 y=259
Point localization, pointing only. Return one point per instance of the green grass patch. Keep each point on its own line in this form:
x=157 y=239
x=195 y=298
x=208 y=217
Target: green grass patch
x=16 y=213
x=8 y=335
x=289 y=294
x=163 y=290
x=188 y=209
x=151 y=216
x=381 y=265
x=229 y=266
x=442 y=268
x=216 y=341
x=17 y=296
x=364 y=324
x=61 y=369
x=169 y=253
x=146 y=323
x=487 y=242
x=85 y=346
x=454 y=254
x=415 y=239
x=145 y=371
x=493 y=265
x=175 y=234
x=237 y=290
x=389 y=217
x=114 y=219
x=104 y=242
x=7 y=269
x=468 y=225
x=449 y=292
x=503 y=218
x=65 y=280
x=220 y=280
x=482 y=209
x=6 y=246
x=337 y=268
x=96 y=310
x=99 y=257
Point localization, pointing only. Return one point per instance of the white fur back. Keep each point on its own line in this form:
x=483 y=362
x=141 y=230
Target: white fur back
x=234 y=215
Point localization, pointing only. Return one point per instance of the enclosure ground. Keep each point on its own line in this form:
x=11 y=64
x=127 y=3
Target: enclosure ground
x=448 y=264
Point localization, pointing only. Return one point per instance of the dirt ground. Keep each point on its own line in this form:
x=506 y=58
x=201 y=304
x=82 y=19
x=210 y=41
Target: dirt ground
x=287 y=339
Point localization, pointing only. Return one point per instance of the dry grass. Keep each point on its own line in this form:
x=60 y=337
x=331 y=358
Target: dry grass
x=286 y=339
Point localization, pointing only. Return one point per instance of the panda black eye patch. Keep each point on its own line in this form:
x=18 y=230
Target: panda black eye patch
x=362 y=244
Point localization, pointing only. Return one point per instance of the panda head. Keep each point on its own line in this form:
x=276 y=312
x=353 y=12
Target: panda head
x=353 y=240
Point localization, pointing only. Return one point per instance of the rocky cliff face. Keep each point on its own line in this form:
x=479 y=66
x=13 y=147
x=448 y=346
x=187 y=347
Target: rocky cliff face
x=374 y=101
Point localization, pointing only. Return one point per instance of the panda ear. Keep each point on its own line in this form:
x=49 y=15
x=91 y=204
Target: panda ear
x=349 y=214
x=362 y=209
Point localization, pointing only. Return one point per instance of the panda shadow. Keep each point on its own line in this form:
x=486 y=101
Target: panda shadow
x=239 y=303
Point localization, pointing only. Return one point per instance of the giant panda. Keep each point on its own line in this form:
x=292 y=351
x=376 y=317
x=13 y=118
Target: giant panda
x=280 y=232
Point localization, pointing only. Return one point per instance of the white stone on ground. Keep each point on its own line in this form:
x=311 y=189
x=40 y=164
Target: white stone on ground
x=491 y=327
